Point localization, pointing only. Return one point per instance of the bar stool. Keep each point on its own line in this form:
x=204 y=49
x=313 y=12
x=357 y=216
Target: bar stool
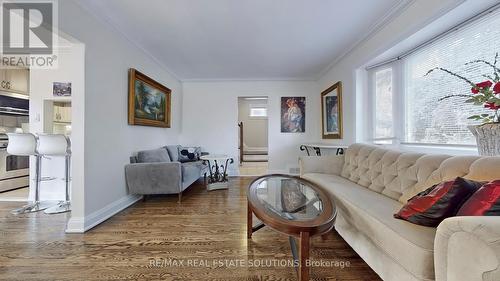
x=57 y=145
x=25 y=145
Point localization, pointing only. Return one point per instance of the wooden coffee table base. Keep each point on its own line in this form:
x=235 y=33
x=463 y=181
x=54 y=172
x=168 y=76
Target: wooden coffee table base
x=300 y=254
x=300 y=220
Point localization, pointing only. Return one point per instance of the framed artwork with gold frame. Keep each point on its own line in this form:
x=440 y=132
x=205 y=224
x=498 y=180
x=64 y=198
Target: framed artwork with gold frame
x=331 y=112
x=148 y=101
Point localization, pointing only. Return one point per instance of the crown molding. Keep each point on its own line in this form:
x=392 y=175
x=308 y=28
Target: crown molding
x=278 y=79
x=392 y=13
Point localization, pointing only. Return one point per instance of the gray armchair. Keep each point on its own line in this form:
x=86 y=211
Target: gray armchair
x=159 y=171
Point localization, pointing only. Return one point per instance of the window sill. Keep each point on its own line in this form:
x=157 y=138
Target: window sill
x=440 y=149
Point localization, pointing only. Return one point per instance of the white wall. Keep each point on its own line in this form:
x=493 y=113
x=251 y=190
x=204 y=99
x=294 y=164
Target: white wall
x=413 y=18
x=254 y=128
x=108 y=139
x=210 y=111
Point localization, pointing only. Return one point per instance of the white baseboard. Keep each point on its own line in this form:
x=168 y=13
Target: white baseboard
x=81 y=225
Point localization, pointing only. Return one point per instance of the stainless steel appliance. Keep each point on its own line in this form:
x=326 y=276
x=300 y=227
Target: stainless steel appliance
x=14 y=170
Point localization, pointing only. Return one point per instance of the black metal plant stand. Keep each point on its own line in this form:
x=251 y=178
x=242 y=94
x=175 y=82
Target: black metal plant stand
x=217 y=177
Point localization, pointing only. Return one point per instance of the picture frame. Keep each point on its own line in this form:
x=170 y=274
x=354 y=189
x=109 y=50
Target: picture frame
x=293 y=114
x=331 y=112
x=149 y=102
x=61 y=89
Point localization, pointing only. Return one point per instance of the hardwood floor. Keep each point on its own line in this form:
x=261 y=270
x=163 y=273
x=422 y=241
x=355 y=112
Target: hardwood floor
x=207 y=228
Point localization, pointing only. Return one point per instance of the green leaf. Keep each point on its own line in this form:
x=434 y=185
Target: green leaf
x=470 y=100
x=474 y=117
x=485 y=115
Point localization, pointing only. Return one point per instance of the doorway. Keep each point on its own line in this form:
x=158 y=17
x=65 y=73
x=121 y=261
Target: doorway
x=253 y=135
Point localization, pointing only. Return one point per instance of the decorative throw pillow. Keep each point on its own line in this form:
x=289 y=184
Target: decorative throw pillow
x=433 y=205
x=484 y=202
x=187 y=154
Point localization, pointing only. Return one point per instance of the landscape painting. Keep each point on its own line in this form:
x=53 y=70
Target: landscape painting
x=331 y=111
x=293 y=114
x=149 y=101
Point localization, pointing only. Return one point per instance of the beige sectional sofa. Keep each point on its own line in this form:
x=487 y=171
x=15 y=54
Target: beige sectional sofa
x=369 y=184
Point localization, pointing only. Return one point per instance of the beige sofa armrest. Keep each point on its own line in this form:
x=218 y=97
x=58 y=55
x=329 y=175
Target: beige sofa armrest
x=331 y=164
x=468 y=248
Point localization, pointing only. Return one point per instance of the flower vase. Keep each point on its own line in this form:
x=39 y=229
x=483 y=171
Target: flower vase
x=487 y=138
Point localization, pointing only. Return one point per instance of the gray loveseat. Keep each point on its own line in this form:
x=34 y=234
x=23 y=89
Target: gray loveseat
x=159 y=171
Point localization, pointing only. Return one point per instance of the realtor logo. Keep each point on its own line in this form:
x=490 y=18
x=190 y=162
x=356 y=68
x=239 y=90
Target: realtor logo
x=27 y=27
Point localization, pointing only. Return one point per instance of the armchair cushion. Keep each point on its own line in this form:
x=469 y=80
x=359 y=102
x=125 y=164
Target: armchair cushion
x=153 y=156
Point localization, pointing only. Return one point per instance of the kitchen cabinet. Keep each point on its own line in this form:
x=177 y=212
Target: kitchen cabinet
x=62 y=112
x=14 y=80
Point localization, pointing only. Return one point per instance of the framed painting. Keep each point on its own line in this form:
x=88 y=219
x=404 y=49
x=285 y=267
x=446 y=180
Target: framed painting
x=293 y=114
x=148 y=101
x=60 y=89
x=331 y=112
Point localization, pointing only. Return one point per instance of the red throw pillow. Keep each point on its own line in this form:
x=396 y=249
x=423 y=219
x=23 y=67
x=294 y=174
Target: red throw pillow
x=441 y=201
x=484 y=202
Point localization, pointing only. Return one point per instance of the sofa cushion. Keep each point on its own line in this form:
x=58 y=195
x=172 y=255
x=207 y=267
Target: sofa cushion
x=484 y=202
x=173 y=152
x=441 y=201
x=371 y=213
x=153 y=156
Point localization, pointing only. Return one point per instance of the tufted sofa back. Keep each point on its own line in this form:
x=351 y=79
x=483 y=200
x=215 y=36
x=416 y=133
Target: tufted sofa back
x=401 y=175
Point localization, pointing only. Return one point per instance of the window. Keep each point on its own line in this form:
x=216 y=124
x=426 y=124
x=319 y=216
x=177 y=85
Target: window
x=259 y=111
x=416 y=116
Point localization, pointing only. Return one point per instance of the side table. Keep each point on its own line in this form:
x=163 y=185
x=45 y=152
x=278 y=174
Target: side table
x=217 y=168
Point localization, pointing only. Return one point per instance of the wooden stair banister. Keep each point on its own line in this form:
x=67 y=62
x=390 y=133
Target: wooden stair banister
x=240 y=125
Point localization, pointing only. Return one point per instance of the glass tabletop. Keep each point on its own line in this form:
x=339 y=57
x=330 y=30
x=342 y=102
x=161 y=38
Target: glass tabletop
x=218 y=157
x=289 y=198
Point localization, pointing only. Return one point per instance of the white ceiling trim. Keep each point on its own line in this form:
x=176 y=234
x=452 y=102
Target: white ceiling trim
x=395 y=11
x=93 y=11
x=293 y=79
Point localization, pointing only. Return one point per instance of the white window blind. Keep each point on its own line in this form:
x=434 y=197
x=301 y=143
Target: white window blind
x=429 y=121
x=384 y=123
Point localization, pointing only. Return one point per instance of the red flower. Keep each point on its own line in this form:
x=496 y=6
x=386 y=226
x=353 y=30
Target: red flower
x=484 y=84
x=492 y=106
x=496 y=88
x=474 y=90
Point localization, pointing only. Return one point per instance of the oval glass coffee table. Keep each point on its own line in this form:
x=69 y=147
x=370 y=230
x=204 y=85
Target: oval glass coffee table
x=293 y=206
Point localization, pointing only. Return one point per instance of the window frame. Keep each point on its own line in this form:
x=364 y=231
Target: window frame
x=399 y=113
x=398 y=105
x=401 y=75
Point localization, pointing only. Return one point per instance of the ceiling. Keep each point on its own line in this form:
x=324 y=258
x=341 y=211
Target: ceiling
x=245 y=39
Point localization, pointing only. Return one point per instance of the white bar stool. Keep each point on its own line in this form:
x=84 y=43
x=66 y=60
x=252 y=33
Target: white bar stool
x=58 y=145
x=25 y=145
